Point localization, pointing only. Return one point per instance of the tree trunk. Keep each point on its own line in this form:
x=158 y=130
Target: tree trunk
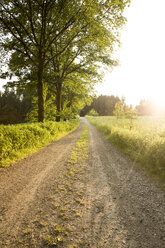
x=40 y=92
x=58 y=101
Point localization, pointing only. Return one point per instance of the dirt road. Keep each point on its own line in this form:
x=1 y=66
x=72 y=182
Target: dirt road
x=103 y=203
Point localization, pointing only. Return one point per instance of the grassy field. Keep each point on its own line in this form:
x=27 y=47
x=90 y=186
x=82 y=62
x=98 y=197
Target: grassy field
x=18 y=141
x=143 y=141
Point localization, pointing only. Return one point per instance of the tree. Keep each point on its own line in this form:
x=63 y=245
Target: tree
x=124 y=111
x=130 y=114
x=85 y=110
x=92 y=112
x=30 y=28
x=146 y=107
x=120 y=108
x=14 y=106
x=104 y=105
x=33 y=30
x=68 y=76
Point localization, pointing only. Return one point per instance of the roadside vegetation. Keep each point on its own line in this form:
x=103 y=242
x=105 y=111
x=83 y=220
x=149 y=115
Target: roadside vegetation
x=144 y=142
x=18 y=141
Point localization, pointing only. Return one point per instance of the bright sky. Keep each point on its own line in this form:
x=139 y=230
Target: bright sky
x=141 y=74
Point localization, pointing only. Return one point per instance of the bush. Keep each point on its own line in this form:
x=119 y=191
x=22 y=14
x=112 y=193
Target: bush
x=93 y=112
x=21 y=139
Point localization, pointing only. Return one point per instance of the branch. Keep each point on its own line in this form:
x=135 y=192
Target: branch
x=65 y=47
x=67 y=25
x=25 y=54
x=31 y=22
x=20 y=39
x=75 y=69
x=21 y=25
x=66 y=68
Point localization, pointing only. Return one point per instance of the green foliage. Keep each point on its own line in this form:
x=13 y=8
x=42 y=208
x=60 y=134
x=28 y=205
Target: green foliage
x=92 y=112
x=103 y=105
x=144 y=143
x=14 y=106
x=21 y=139
x=130 y=113
x=120 y=108
x=50 y=108
x=53 y=42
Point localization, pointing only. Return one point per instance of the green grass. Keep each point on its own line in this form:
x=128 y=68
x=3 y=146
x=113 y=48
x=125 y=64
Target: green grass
x=144 y=143
x=69 y=206
x=18 y=141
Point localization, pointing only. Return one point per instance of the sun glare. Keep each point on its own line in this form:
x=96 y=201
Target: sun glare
x=159 y=104
x=141 y=71
x=156 y=94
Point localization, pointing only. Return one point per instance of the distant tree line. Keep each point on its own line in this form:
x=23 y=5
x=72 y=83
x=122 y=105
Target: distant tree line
x=14 y=107
x=146 y=107
x=17 y=106
x=103 y=105
x=113 y=105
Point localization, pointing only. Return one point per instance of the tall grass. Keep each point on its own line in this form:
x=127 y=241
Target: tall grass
x=144 y=143
x=17 y=141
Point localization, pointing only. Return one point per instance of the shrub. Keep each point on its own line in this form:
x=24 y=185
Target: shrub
x=18 y=140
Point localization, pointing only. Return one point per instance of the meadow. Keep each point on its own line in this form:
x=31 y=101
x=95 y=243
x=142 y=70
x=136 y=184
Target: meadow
x=142 y=139
x=18 y=141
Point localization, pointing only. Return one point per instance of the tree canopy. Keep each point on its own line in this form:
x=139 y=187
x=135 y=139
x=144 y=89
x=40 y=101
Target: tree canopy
x=60 y=45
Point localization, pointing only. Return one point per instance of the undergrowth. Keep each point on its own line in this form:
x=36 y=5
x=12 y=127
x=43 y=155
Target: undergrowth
x=144 y=143
x=18 y=141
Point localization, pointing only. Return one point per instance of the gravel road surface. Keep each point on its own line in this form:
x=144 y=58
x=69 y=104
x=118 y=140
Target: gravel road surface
x=120 y=206
x=127 y=208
